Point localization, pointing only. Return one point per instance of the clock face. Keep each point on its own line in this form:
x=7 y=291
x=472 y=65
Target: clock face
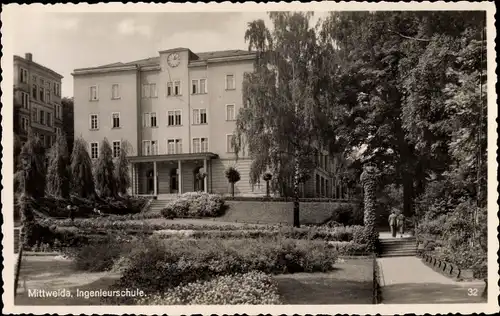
x=173 y=59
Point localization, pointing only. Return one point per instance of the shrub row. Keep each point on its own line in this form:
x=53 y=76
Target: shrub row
x=281 y=199
x=155 y=265
x=195 y=205
x=341 y=233
x=56 y=207
x=253 y=288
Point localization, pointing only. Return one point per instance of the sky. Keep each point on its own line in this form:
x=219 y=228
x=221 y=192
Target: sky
x=67 y=41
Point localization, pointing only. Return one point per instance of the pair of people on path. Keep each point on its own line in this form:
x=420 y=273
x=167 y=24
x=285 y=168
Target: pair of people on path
x=397 y=223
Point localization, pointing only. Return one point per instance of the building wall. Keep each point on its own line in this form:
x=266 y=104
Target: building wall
x=126 y=105
x=221 y=185
x=41 y=77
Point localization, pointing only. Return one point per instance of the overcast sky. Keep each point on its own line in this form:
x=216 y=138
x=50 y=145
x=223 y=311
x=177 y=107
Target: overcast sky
x=65 y=41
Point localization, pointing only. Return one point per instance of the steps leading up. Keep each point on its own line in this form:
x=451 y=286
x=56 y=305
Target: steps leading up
x=398 y=247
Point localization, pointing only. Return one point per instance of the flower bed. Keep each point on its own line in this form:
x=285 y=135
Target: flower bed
x=255 y=288
x=157 y=265
x=195 y=205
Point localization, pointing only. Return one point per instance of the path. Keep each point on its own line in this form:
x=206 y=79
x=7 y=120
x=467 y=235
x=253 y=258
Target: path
x=407 y=280
x=54 y=273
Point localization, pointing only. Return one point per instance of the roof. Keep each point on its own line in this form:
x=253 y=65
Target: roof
x=152 y=61
x=42 y=67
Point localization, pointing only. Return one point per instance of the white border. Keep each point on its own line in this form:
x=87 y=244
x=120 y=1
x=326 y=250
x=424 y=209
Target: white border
x=14 y=11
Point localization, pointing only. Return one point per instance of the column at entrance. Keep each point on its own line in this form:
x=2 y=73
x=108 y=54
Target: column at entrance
x=179 y=175
x=155 y=179
x=205 y=179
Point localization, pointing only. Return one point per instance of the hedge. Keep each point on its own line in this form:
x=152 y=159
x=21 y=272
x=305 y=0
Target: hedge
x=195 y=205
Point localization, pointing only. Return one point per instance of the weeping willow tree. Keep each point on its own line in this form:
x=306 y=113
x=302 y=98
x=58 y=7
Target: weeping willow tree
x=280 y=123
x=82 y=181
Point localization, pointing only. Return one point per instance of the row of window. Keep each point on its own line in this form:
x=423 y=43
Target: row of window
x=173 y=146
x=25 y=101
x=41 y=88
x=42 y=117
x=115 y=146
x=174 y=88
x=174 y=118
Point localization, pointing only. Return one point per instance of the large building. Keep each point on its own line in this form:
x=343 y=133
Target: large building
x=37 y=100
x=176 y=112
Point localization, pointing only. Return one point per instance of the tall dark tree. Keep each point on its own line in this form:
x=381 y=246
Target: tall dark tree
x=279 y=124
x=32 y=171
x=58 y=180
x=122 y=170
x=82 y=181
x=105 y=179
x=68 y=121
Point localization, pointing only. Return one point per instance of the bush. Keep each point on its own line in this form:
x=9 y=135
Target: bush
x=195 y=205
x=346 y=214
x=156 y=265
x=349 y=248
x=53 y=237
x=255 y=288
x=100 y=256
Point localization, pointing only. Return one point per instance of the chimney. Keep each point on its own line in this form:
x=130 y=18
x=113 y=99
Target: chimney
x=29 y=56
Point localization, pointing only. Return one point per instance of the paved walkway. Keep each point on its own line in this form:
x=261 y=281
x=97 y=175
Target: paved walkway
x=407 y=280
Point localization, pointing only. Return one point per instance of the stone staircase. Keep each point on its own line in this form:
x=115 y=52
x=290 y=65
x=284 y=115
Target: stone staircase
x=398 y=247
x=157 y=205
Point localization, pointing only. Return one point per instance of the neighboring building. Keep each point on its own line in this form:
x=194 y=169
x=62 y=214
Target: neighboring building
x=37 y=100
x=177 y=112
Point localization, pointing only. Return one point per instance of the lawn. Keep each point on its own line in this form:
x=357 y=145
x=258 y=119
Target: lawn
x=350 y=283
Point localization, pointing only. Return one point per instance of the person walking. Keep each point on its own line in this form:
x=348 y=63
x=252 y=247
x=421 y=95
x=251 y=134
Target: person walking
x=71 y=213
x=401 y=224
x=393 y=223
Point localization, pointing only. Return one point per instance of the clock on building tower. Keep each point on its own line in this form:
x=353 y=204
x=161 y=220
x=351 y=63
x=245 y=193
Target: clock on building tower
x=173 y=60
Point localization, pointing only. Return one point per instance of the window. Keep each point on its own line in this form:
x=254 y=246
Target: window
x=200 y=145
x=49 y=119
x=174 y=118
x=169 y=89
x=41 y=94
x=116 y=148
x=57 y=89
x=174 y=88
x=47 y=95
x=42 y=139
x=94 y=122
x=94 y=93
x=94 y=150
x=25 y=100
x=230 y=85
x=149 y=90
x=149 y=119
x=149 y=147
x=58 y=131
x=23 y=75
x=42 y=117
x=115 y=120
x=230 y=112
x=199 y=116
x=115 y=91
x=177 y=88
x=34 y=91
x=24 y=123
x=198 y=86
x=229 y=143
x=174 y=146
x=35 y=115
x=58 y=111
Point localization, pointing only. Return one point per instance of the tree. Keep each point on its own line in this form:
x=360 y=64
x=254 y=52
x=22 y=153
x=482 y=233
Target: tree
x=122 y=170
x=32 y=173
x=104 y=177
x=58 y=180
x=279 y=126
x=369 y=181
x=81 y=171
x=232 y=176
x=68 y=121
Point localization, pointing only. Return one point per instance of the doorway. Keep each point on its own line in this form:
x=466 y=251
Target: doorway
x=174 y=181
x=150 y=182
